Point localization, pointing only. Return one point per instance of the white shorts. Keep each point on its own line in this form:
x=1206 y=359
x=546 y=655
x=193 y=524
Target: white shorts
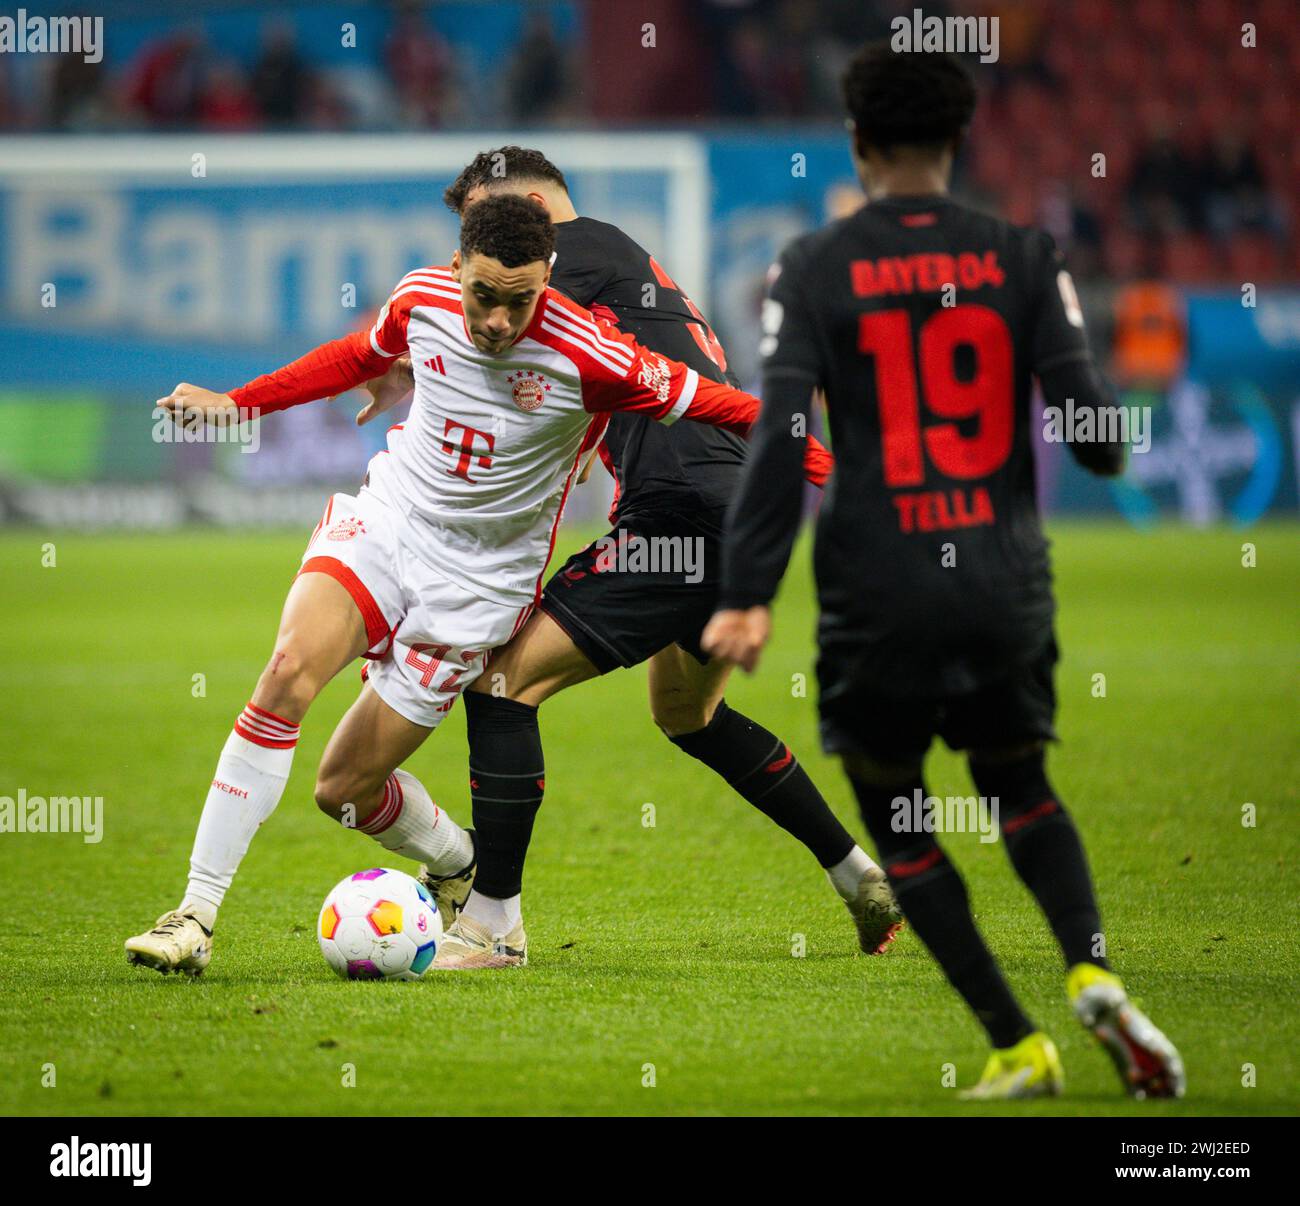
x=446 y=635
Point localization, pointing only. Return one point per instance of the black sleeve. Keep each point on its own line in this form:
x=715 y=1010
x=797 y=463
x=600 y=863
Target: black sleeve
x=1059 y=336
x=1063 y=361
x=763 y=520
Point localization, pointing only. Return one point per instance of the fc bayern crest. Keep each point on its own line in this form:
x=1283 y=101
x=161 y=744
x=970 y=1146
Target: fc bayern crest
x=346 y=528
x=529 y=389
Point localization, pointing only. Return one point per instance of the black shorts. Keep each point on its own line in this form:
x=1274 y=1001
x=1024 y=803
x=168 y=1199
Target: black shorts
x=890 y=728
x=646 y=585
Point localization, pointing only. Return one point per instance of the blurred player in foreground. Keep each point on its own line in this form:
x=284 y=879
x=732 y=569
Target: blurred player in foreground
x=924 y=322
x=672 y=489
x=446 y=541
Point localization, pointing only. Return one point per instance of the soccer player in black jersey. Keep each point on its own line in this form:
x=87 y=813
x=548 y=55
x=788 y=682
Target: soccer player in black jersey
x=924 y=322
x=673 y=485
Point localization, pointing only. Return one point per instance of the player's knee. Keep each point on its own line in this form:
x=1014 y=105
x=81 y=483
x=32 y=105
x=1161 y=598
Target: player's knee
x=1004 y=755
x=290 y=682
x=343 y=795
x=331 y=794
x=678 y=712
x=1016 y=778
x=877 y=772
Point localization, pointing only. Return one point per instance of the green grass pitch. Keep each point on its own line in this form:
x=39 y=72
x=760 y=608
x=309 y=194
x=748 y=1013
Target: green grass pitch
x=659 y=954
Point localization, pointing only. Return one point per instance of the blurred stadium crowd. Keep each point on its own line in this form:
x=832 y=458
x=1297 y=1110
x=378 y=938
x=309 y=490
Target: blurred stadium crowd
x=1203 y=146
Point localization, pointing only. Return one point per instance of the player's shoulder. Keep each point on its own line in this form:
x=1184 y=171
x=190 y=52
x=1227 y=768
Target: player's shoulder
x=1032 y=243
x=811 y=246
x=574 y=331
x=800 y=256
x=562 y=304
x=594 y=250
x=594 y=234
x=433 y=283
x=830 y=241
x=438 y=275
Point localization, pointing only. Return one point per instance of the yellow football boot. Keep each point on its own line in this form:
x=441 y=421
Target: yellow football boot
x=1032 y=1068
x=1147 y=1062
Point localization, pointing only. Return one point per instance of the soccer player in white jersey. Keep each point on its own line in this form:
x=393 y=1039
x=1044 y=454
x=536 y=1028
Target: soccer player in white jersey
x=438 y=558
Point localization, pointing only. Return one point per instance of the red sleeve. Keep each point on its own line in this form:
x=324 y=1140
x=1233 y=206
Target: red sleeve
x=817 y=461
x=620 y=374
x=736 y=411
x=330 y=369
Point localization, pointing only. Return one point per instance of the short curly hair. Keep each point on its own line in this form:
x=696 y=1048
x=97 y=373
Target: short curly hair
x=501 y=167
x=508 y=228
x=916 y=98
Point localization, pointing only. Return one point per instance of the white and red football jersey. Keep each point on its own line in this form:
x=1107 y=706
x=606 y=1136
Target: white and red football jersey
x=484 y=462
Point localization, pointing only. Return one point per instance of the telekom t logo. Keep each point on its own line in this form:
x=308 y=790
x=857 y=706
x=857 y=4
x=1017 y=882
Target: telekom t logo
x=465 y=447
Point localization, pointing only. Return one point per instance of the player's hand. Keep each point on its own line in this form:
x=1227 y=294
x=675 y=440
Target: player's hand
x=738 y=635
x=218 y=409
x=389 y=390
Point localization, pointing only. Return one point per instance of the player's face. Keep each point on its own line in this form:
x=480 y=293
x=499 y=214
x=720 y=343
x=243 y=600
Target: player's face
x=499 y=302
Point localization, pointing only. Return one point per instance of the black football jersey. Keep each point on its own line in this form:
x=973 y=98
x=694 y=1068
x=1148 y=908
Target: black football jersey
x=924 y=323
x=687 y=469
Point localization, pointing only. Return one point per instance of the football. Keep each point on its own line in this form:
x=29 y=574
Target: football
x=379 y=924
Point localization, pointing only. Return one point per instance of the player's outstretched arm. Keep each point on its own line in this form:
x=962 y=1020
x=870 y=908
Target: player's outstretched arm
x=630 y=377
x=332 y=368
x=738 y=411
x=185 y=399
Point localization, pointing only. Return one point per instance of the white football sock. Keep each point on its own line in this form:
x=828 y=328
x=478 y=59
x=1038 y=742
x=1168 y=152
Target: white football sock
x=408 y=822
x=499 y=916
x=251 y=774
x=847 y=873
x=203 y=910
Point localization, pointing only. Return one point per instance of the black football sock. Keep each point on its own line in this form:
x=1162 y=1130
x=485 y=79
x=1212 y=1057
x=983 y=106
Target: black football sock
x=762 y=769
x=1044 y=847
x=506 y=779
x=934 y=901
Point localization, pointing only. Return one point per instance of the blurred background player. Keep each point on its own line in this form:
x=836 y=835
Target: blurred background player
x=924 y=322
x=671 y=484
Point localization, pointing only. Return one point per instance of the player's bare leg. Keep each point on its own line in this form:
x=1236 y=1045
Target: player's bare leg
x=360 y=786
x=1047 y=853
x=540 y=661
x=320 y=632
x=686 y=701
x=507 y=778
